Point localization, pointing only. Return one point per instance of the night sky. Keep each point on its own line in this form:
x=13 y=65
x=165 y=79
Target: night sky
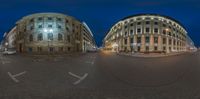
x=100 y=15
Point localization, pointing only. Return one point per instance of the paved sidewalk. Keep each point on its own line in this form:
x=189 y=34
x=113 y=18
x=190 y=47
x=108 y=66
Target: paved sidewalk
x=152 y=54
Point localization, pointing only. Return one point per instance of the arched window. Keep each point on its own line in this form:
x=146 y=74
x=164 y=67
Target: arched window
x=31 y=38
x=40 y=37
x=50 y=36
x=60 y=37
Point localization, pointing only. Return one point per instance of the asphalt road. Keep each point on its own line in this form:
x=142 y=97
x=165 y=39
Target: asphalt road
x=100 y=75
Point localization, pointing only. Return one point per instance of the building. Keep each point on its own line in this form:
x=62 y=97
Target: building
x=9 y=40
x=146 y=33
x=50 y=33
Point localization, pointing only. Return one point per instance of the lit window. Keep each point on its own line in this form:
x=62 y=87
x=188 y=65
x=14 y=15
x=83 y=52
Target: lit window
x=50 y=36
x=40 y=37
x=155 y=39
x=50 y=26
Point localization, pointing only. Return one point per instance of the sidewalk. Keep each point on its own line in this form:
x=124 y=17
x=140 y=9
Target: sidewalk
x=149 y=55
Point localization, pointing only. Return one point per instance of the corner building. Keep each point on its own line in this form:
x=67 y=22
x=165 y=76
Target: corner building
x=146 y=33
x=52 y=33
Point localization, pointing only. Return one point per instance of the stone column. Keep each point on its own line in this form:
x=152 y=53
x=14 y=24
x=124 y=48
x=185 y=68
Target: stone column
x=172 y=44
x=151 y=45
x=143 y=43
x=128 y=44
x=159 y=43
x=167 y=44
x=135 y=42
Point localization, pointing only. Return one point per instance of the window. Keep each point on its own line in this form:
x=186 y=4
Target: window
x=131 y=32
x=164 y=40
x=60 y=37
x=138 y=39
x=147 y=48
x=32 y=27
x=125 y=27
x=31 y=38
x=164 y=48
x=40 y=37
x=40 y=19
x=66 y=21
x=32 y=20
x=50 y=36
x=125 y=41
x=155 y=23
x=50 y=26
x=132 y=40
x=60 y=49
x=164 y=32
x=138 y=48
x=49 y=18
x=155 y=30
x=68 y=38
x=51 y=49
x=39 y=49
x=139 y=23
x=138 y=30
x=170 y=41
x=30 y=49
x=147 y=39
x=147 y=30
x=155 y=39
x=59 y=19
x=126 y=33
x=155 y=48
x=164 y=25
x=59 y=26
x=147 y=22
x=39 y=26
x=131 y=24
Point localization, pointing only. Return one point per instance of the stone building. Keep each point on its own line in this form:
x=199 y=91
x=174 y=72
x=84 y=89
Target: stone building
x=50 y=33
x=146 y=33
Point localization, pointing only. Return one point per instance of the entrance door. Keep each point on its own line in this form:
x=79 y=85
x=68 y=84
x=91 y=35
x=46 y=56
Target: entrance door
x=20 y=48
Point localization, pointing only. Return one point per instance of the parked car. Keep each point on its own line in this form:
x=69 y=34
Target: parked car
x=9 y=52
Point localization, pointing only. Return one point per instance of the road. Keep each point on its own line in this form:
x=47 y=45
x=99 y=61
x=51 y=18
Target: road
x=100 y=75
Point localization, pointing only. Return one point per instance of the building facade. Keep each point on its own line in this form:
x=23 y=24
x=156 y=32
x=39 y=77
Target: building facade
x=146 y=33
x=45 y=33
x=9 y=40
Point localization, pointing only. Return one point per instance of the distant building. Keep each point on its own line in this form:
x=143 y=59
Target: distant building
x=45 y=33
x=146 y=33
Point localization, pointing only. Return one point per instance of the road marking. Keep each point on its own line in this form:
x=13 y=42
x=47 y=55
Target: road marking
x=79 y=77
x=90 y=62
x=13 y=76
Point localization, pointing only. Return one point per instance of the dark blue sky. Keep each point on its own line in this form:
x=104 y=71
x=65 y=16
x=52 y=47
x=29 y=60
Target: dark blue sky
x=100 y=15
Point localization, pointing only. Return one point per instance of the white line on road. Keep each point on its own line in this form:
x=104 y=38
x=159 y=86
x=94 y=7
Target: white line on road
x=90 y=62
x=79 y=77
x=13 y=76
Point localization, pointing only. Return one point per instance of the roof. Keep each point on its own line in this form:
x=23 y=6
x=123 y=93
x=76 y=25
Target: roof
x=165 y=16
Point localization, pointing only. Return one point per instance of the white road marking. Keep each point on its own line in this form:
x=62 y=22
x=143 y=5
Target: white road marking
x=90 y=62
x=13 y=76
x=79 y=77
